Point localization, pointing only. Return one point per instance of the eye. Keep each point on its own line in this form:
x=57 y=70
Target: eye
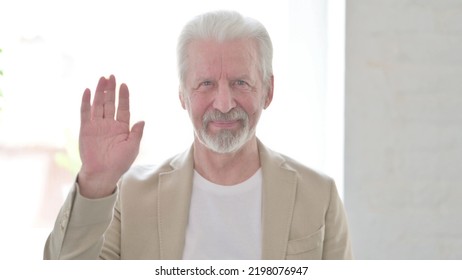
x=241 y=83
x=206 y=83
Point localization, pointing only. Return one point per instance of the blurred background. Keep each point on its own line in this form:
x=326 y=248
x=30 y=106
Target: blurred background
x=366 y=91
x=52 y=50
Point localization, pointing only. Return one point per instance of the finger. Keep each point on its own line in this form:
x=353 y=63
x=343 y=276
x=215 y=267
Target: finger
x=109 y=98
x=136 y=133
x=98 y=101
x=85 y=108
x=123 y=108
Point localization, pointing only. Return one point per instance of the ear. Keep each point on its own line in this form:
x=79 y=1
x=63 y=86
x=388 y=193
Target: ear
x=181 y=96
x=269 y=93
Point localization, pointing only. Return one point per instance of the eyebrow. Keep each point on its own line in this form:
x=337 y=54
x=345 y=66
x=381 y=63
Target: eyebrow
x=202 y=78
x=244 y=77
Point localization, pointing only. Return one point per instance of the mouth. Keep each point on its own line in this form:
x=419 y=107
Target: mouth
x=215 y=121
x=222 y=124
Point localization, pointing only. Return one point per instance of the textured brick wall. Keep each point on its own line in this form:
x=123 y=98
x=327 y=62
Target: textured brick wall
x=403 y=149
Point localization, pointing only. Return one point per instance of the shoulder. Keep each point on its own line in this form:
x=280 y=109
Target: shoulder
x=305 y=174
x=313 y=188
x=311 y=182
x=141 y=172
x=148 y=174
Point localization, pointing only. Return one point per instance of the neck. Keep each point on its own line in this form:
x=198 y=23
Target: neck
x=227 y=169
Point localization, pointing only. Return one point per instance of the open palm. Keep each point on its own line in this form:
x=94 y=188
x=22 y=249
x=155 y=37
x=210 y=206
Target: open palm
x=108 y=147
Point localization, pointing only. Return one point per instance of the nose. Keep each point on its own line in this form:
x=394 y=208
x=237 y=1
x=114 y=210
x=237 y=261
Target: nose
x=224 y=98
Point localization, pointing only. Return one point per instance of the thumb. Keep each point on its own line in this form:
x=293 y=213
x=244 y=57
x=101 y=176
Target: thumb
x=137 y=132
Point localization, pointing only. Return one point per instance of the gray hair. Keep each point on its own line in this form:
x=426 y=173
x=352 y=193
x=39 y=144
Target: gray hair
x=224 y=26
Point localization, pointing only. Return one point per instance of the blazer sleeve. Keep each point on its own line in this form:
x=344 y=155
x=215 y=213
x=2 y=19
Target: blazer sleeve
x=80 y=227
x=337 y=244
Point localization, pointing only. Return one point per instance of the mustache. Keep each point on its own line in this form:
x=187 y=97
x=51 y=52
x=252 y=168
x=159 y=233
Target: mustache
x=236 y=114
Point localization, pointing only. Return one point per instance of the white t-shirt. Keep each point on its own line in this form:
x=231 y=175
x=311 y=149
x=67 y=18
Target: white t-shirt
x=224 y=221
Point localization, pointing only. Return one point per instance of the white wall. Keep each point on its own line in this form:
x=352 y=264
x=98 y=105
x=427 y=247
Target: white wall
x=403 y=148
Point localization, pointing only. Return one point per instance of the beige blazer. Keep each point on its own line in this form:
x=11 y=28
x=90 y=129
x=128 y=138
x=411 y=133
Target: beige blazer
x=302 y=215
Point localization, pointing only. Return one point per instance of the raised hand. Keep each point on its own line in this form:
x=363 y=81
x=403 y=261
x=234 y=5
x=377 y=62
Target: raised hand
x=108 y=147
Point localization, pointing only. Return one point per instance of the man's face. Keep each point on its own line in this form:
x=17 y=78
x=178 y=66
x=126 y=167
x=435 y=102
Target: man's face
x=224 y=93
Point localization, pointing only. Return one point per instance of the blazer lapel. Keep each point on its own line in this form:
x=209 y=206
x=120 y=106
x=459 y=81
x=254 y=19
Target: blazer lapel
x=174 y=198
x=278 y=198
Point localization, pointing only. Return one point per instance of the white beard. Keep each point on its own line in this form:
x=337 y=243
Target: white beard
x=226 y=141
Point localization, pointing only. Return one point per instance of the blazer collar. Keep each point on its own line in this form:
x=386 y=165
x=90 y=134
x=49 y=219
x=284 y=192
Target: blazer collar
x=278 y=198
x=175 y=187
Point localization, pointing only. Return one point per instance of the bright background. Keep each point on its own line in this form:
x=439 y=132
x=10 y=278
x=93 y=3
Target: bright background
x=53 y=50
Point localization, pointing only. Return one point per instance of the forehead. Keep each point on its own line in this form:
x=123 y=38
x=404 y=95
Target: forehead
x=239 y=55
